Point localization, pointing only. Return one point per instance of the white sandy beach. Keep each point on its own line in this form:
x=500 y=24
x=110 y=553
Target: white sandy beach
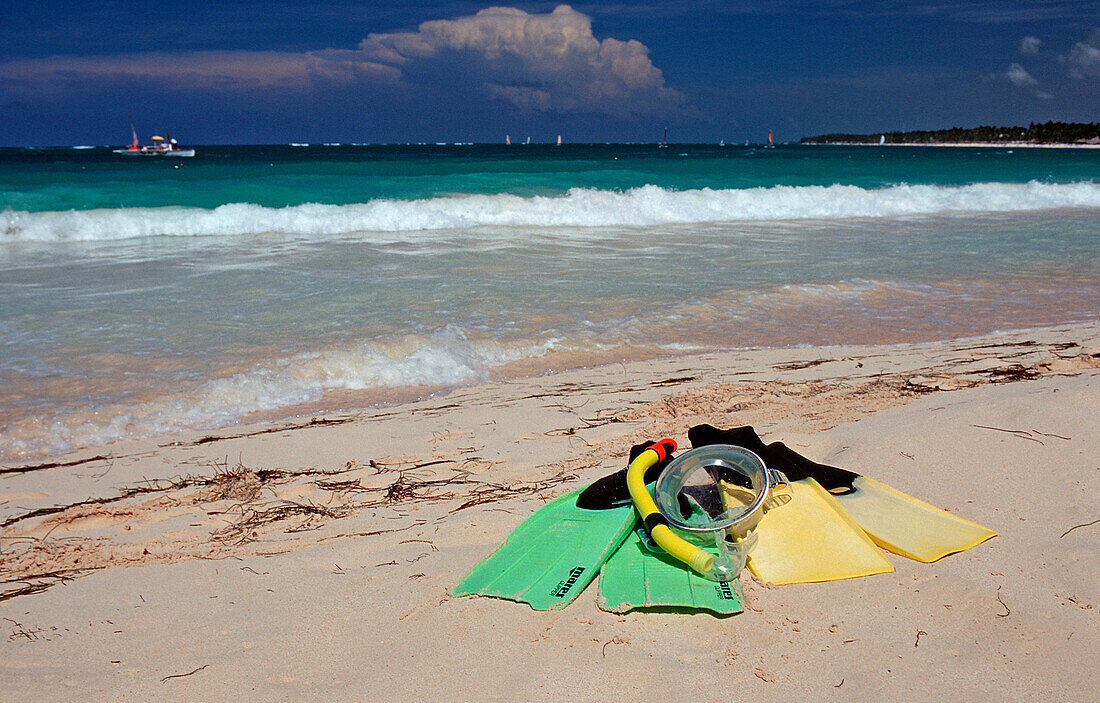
x=314 y=562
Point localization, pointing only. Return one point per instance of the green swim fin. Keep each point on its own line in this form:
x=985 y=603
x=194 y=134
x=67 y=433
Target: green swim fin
x=897 y=522
x=634 y=577
x=552 y=556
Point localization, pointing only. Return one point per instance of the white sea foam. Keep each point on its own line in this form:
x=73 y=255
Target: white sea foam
x=444 y=359
x=648 y=205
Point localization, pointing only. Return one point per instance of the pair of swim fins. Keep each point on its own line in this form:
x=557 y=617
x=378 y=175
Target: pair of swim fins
x=555 y=553
x=836 y=520
x=830 y=529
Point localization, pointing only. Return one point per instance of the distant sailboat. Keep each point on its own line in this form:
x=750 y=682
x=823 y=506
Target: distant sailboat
x=882 y=140
x=664 y=141
x=508 y=139
x=771 y=140
x=559 y=140
x=160 y=147
x=528 y=140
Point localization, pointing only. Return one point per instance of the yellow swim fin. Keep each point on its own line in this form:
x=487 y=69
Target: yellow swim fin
x=811 y=538
x=905 y=525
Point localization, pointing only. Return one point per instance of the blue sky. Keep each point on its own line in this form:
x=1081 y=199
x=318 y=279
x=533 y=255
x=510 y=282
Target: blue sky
x=386 y=71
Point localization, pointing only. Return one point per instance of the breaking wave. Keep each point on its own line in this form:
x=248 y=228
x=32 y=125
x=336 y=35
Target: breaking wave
x=647 y=205
x=445 y=359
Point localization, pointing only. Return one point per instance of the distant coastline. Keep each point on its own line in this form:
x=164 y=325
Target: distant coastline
x=1048 y=134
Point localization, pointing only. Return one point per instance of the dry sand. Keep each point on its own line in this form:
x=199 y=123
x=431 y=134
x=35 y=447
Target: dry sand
x=313 y=562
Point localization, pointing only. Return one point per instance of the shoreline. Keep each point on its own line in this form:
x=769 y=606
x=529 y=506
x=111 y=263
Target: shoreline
x=273 y=561
x=351 y=403
x=1004 y=145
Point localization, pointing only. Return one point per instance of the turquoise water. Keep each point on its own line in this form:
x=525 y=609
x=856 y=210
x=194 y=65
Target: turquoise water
x=146 y=295
x=276 y=176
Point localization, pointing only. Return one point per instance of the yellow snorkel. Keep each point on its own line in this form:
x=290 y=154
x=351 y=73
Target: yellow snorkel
x=656 y=525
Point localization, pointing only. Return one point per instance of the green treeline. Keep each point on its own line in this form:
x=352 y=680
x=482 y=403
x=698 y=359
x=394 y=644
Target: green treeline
x=1035 y=133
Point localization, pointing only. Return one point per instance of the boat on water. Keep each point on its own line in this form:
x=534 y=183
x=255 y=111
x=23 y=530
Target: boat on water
x=161 y=146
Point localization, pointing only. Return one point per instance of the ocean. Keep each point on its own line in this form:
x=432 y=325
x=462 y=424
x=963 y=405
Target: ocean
x=146 y=296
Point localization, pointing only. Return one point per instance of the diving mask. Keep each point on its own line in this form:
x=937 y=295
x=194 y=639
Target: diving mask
x=711 y=499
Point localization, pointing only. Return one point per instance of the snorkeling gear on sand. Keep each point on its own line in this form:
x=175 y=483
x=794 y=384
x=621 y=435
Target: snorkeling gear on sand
x=810 y=536
x=897 y=522
x=555 y=553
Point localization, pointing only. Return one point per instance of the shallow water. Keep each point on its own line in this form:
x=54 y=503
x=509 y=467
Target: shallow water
x=140 y=298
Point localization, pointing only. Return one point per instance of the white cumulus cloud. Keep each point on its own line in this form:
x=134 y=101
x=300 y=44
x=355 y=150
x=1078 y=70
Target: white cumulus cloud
x=1019 y=76
x=1030 y=45
x=1084 y=58
x=541 y=62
